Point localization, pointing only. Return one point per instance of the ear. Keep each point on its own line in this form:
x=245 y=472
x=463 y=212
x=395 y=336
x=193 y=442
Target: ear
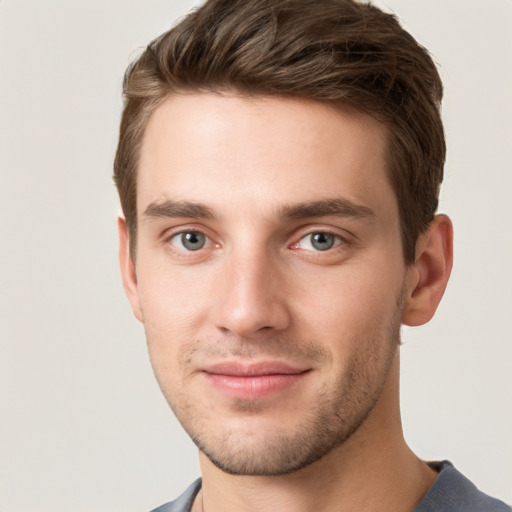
x=428 y=276
x=128 y=269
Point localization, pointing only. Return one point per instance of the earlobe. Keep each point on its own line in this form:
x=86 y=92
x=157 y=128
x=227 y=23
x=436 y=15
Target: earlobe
x=128 y=269
x=428 y=276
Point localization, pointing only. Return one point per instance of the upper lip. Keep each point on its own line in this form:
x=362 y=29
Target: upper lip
x=253 y=369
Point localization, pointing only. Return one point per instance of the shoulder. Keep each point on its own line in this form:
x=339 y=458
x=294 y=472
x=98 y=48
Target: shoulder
x=184 y=502
x=453 y=492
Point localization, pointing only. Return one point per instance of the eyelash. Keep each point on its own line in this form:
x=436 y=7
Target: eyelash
x=207 y=240
x=338 y=241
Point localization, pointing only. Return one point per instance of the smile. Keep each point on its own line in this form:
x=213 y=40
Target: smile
x=252 y=381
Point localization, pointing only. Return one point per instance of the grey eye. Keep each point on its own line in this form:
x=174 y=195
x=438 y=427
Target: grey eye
x=190 y=240
x=319 y=241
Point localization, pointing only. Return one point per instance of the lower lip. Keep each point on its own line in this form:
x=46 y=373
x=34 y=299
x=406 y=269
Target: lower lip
x=254 y=386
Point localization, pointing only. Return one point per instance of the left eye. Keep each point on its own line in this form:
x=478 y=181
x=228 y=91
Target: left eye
x=319 y=241
x=190 y=240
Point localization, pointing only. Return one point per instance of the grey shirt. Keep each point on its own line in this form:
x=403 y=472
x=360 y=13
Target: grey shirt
x=451 y=492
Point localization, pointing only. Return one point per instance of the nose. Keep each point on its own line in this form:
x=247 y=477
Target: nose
x=252 y=297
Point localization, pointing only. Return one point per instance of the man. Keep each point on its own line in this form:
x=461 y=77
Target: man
x=279 y=166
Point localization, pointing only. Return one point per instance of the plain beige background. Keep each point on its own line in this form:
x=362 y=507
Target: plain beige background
x=82 y=424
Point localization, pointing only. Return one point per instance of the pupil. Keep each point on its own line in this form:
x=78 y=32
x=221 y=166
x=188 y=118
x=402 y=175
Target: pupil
x=192 y=241
x=322 y=241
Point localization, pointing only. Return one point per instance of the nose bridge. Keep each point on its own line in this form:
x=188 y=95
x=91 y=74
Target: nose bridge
x=251 y=297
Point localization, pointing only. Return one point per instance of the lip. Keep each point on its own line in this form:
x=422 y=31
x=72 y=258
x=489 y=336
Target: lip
x=251 y=381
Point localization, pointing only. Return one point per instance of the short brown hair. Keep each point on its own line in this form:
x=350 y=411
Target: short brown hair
x=338 y=51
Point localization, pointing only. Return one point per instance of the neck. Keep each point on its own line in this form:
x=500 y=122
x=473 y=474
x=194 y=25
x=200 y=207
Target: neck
x=373 y=470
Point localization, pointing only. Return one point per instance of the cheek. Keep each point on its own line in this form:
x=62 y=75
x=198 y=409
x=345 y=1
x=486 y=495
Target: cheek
x=173 y=299
x=173 y=306
x=349 y=302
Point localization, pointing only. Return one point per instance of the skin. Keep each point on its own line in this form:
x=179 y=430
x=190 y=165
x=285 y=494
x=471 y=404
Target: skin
x=262 y=188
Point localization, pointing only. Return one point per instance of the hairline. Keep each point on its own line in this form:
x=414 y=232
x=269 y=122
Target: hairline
x=336 y=106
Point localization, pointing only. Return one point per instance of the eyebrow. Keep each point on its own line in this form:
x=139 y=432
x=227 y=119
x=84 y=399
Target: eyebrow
x=323 y=208
x=171 y=208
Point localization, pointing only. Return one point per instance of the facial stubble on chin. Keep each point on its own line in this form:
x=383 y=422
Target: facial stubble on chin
x=331 y=421
x=337 y=412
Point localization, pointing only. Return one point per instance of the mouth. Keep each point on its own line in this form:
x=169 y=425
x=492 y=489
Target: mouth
x=254 y=380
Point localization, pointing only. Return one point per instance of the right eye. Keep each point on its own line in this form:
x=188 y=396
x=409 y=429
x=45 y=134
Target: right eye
x=190 y=241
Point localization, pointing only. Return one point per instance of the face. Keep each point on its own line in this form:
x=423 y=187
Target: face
x=269 y=274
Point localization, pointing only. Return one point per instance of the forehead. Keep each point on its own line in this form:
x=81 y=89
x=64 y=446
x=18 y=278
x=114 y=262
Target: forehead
x=224 y=150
